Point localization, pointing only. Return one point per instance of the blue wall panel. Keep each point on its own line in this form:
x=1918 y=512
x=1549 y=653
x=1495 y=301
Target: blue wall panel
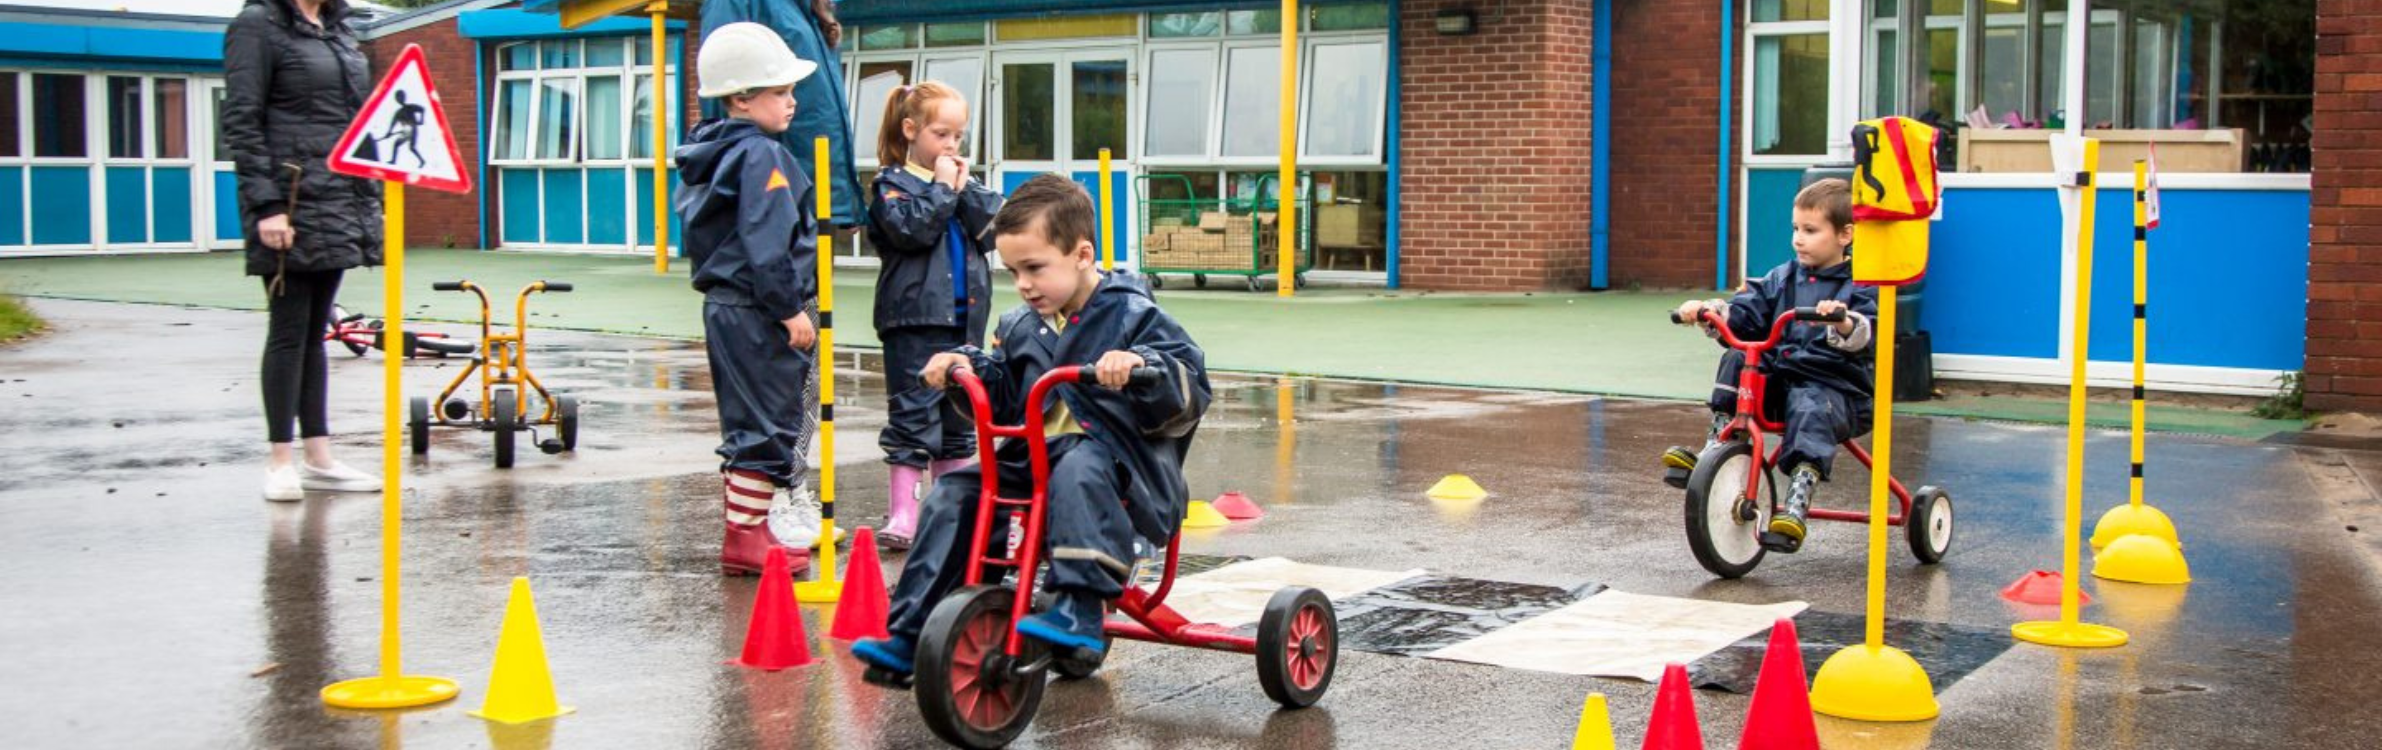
x=1770 y=217
x=1121 y=202
x=1993 y=274
x=607 y=207
x=128 y=205
x=566 y=211
x=12 y=205
x=227 y=206
x=61 y=205
x=519 y=199
x=170 y=196
x=644 y=180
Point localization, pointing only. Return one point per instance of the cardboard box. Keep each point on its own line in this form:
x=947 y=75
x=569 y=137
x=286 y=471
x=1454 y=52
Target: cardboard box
x=1349 y=226
x=1212 y=221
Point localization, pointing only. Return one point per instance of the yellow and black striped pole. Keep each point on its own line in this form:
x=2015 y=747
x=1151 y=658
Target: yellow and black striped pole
x=2141 y=323
x=829 y=587
x=2135 y=542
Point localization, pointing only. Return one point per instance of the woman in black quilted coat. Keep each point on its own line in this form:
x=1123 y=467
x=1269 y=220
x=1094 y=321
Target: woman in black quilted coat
x=296 y=78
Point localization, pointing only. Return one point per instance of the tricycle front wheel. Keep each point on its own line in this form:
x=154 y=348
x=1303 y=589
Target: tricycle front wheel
x=969 y=690
x=1298 y=646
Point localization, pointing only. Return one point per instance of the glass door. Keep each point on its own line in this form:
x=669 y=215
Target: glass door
x=1054 y=112
x=217 y=212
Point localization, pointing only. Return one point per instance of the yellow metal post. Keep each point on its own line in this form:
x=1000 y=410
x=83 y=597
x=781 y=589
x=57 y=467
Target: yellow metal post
x=829 y=587
x=661 y=140
x=392 y=688
x=2135 y=542
x=1108 y=217
x=2069 y=631
x=1881 y=469
x=1286 y=246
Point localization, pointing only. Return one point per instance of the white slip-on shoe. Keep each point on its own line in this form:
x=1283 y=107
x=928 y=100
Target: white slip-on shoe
x=338 y=478
x=794 y=517
x=283 y=486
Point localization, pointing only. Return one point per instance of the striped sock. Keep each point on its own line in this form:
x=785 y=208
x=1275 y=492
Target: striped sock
x=747 y=495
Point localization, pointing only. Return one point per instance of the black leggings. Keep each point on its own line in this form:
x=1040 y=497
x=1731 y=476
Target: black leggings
x=295 y=369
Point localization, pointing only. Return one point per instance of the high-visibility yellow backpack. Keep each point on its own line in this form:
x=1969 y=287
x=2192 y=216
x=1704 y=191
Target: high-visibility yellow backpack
x=1894 y=170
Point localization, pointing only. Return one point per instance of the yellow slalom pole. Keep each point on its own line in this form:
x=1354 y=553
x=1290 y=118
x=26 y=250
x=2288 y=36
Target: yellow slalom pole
x=392 y=688
x=1108 y=218
x=829 y=587
x=2069 y=630
x=2141 y=328
x=661 y=139
x=2135 y=542
x=1286 y=244
x=1881 y=466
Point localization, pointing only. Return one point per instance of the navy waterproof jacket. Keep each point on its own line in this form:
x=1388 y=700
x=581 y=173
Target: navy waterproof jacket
x=919 y=228
x=1148 y=427
x=820 y=109
x=747 y=228
x=1805 y=350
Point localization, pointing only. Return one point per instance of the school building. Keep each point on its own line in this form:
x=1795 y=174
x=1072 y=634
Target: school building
x=1490 y=145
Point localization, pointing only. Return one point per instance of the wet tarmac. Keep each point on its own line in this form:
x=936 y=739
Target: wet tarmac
x=153 y=600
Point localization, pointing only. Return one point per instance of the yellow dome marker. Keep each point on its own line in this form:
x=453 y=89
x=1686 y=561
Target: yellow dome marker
x=1457 y=487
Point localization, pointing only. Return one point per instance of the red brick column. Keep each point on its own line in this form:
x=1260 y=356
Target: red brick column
x=1665 y=150
x=436 y=218
x=1495 y=147
x=2344 y=340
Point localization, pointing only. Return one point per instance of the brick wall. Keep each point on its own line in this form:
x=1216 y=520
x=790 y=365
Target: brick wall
x=436 y=218
x=2344 y=339
x=1495 y=147
x=1666 y=111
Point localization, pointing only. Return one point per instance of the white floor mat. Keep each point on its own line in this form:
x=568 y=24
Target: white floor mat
x=1619 y=634
x=1235 y=595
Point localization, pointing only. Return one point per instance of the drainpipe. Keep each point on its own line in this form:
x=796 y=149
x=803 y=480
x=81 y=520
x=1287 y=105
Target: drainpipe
x=1728 y=87
x=1600 y=149
x=1396 y=93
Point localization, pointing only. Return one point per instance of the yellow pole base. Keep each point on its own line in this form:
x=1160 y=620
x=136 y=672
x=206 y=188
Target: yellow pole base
x=404 y=691
x=819 y=592
x=2069 y=634
x=2130 y=519
x=1456 y=487
x=2142 y=558
x=1873 y=683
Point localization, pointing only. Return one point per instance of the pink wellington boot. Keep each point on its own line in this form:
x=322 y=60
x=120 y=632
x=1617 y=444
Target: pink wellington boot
x=901 y=522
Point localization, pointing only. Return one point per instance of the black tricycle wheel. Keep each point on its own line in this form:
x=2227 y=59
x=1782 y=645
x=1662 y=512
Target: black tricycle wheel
x=1724 y=527
x=1298 y=646
x=566 y=421
x=970 y=692
x=418 y=413
x=507 y=419
x=1929 y=525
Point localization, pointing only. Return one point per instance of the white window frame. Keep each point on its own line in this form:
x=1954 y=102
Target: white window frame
x=1212 y=129
x=1306 y=99
x=98 y=160
x=1754 y=32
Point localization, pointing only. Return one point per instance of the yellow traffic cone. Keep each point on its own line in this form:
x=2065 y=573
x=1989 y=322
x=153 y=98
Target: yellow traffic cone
x=1457 y=487
x=520 y=688
x=1596 y=726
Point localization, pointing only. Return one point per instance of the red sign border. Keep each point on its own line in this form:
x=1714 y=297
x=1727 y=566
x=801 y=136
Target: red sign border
x=338 y=162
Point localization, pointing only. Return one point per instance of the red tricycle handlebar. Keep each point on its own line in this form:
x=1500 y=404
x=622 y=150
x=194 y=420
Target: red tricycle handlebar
x=1777 y=327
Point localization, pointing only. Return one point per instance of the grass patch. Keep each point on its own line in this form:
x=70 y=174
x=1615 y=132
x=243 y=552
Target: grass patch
x=16 y=320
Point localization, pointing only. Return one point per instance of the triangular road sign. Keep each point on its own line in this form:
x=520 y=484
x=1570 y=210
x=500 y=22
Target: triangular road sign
x=402 y=133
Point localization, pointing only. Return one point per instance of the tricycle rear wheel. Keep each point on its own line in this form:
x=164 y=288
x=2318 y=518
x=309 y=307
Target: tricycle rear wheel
x=1298 y=646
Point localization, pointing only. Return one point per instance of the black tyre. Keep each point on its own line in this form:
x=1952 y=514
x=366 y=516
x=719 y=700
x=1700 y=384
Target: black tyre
x=439 y=346
x=968 y=691
x=456 y=410
x=1199 y=280
x=1929 y=525
x=566 y=421
x=1300 y=280
x=1251 y=280
x=507 y=420
x=1724 y=527
x=353 y=347
x=1298 y=646
x=418 y=413
x=1154 y=281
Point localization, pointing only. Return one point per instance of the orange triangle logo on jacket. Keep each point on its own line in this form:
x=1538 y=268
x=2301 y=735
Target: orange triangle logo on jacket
x=777 y=181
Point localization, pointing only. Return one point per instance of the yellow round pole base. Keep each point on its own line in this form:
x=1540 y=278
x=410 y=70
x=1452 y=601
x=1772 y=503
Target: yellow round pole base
x=404 y=691
x=2129 y=519
x=1873 y=683
x=2141 y=558
x=2069 y=634
x=819 y=592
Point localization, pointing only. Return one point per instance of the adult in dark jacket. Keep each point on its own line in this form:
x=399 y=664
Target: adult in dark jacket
x=809 y=28
x=296 y=78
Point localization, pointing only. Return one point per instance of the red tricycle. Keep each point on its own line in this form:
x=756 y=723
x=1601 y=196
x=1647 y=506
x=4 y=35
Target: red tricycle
x=979 y=683
x=361 y=333
x=1726 y=515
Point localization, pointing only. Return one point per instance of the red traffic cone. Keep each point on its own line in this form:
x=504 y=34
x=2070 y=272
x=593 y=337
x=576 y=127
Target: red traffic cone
x=1673 y=725
x=1780 y=717
x=1238 y=507
x=774 y=640
x=860 y=612
x=2040 y=588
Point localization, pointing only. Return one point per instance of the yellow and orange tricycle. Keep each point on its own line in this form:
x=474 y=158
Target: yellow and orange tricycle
x=505 y=381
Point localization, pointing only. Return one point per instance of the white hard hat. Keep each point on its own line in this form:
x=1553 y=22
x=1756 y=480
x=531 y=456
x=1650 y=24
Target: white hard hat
x=743 y=56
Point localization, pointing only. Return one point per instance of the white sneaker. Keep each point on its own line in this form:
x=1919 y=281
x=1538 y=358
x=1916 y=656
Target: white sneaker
x=283 y=486
x=338 y=478
x=794 y=518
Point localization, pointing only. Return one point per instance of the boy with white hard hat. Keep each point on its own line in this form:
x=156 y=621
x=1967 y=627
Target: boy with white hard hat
x=755 y=253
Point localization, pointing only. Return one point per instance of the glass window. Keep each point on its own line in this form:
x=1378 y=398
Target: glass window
x=1885 y=54
x=1181 y=96
x=1791 y=10
x=608 y=53
x=904 y=36
x=1244 y=22
x=1790 y=87
x=2100 y=68
x=641 y=117
x=1253 y=101
x=124 y=117
x=558 y=115
x=512 y=120
x=1941 y=90
x=2001 y=83
x=643 y=46
x=1352 y=17
x=604 y=112
x=172 y=107
x=559 y=54
x=1066 y=27
x=1179 y=25
x=1181 y=186
x=877 y=81
x=954 y=34
x=965 y=74
x=517 y=56
x=12 y=124
x=1097 y=106
x=1344 y=100
x=2154 y=99
x=59 y=129
x=221 y=95
x=1028 y=93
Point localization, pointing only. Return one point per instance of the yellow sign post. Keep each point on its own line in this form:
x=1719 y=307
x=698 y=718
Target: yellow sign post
x=1108 y=217
x=1286 y=248
x=829 y=587
x=395 y=120
x=661 y=139
x=1873 y=681
x=2068 y=630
